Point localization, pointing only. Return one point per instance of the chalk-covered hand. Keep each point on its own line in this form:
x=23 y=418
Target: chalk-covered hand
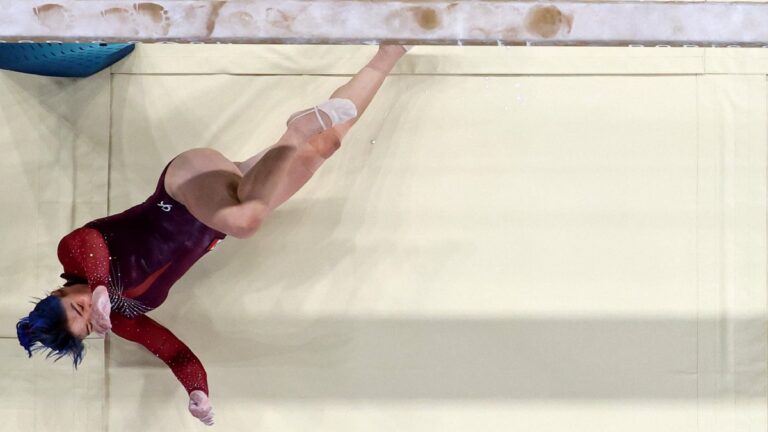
x=100 y=310
x=200 y=407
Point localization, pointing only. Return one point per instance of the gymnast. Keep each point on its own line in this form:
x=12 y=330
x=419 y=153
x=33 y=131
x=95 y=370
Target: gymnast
x=120 y=267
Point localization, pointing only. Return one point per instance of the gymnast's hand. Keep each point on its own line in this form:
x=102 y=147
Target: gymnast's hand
x=200 y=407
x=100 y=311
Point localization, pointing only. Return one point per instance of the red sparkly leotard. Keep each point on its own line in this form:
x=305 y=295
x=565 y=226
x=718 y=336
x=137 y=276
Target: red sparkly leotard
x=138 y=255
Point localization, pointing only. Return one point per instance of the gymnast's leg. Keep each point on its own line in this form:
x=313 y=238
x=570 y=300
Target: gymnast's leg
x=234 y=198
x=312 y=153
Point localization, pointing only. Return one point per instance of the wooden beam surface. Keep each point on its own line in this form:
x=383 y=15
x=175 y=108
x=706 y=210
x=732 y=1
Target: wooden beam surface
x=435 y=22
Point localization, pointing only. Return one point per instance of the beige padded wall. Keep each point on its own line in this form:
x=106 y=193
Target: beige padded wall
x=528 y=252
x=54 y=137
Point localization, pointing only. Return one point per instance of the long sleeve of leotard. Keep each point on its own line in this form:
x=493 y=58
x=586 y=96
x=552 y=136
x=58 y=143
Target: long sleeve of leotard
x=84 y=254
x=163 y=344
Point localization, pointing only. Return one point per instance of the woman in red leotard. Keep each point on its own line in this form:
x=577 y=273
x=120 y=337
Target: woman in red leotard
x=120 y=267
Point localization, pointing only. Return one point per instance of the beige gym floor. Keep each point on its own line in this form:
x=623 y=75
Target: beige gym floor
x=538 y=239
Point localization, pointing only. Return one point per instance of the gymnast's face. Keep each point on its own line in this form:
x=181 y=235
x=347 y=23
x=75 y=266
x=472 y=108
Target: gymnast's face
x=76 y=300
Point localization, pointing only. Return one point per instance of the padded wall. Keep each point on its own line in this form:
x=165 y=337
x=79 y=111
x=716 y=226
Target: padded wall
x=539 y=239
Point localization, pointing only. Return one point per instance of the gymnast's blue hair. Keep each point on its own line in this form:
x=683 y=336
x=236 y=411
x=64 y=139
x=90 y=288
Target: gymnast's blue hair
x=46 y=328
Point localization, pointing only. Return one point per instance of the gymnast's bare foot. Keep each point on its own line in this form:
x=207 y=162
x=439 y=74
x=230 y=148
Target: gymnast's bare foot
x=394 y=50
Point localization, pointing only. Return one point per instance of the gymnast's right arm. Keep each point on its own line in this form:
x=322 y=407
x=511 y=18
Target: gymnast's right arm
x=164 y=344
x=84 y=254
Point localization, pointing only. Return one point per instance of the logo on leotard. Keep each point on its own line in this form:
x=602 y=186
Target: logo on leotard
x=164 y=206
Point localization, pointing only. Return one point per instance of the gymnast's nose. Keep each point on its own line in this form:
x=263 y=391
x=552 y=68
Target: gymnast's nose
x=86 y=308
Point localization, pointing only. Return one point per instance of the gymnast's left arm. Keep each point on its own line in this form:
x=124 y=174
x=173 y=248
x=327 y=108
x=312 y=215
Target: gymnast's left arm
x=182 y=361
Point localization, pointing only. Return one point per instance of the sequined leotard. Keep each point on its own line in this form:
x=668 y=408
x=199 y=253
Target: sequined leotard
x=138 y=255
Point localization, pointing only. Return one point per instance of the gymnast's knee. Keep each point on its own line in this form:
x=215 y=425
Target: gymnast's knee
x=247 y=220
x=326 y=144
